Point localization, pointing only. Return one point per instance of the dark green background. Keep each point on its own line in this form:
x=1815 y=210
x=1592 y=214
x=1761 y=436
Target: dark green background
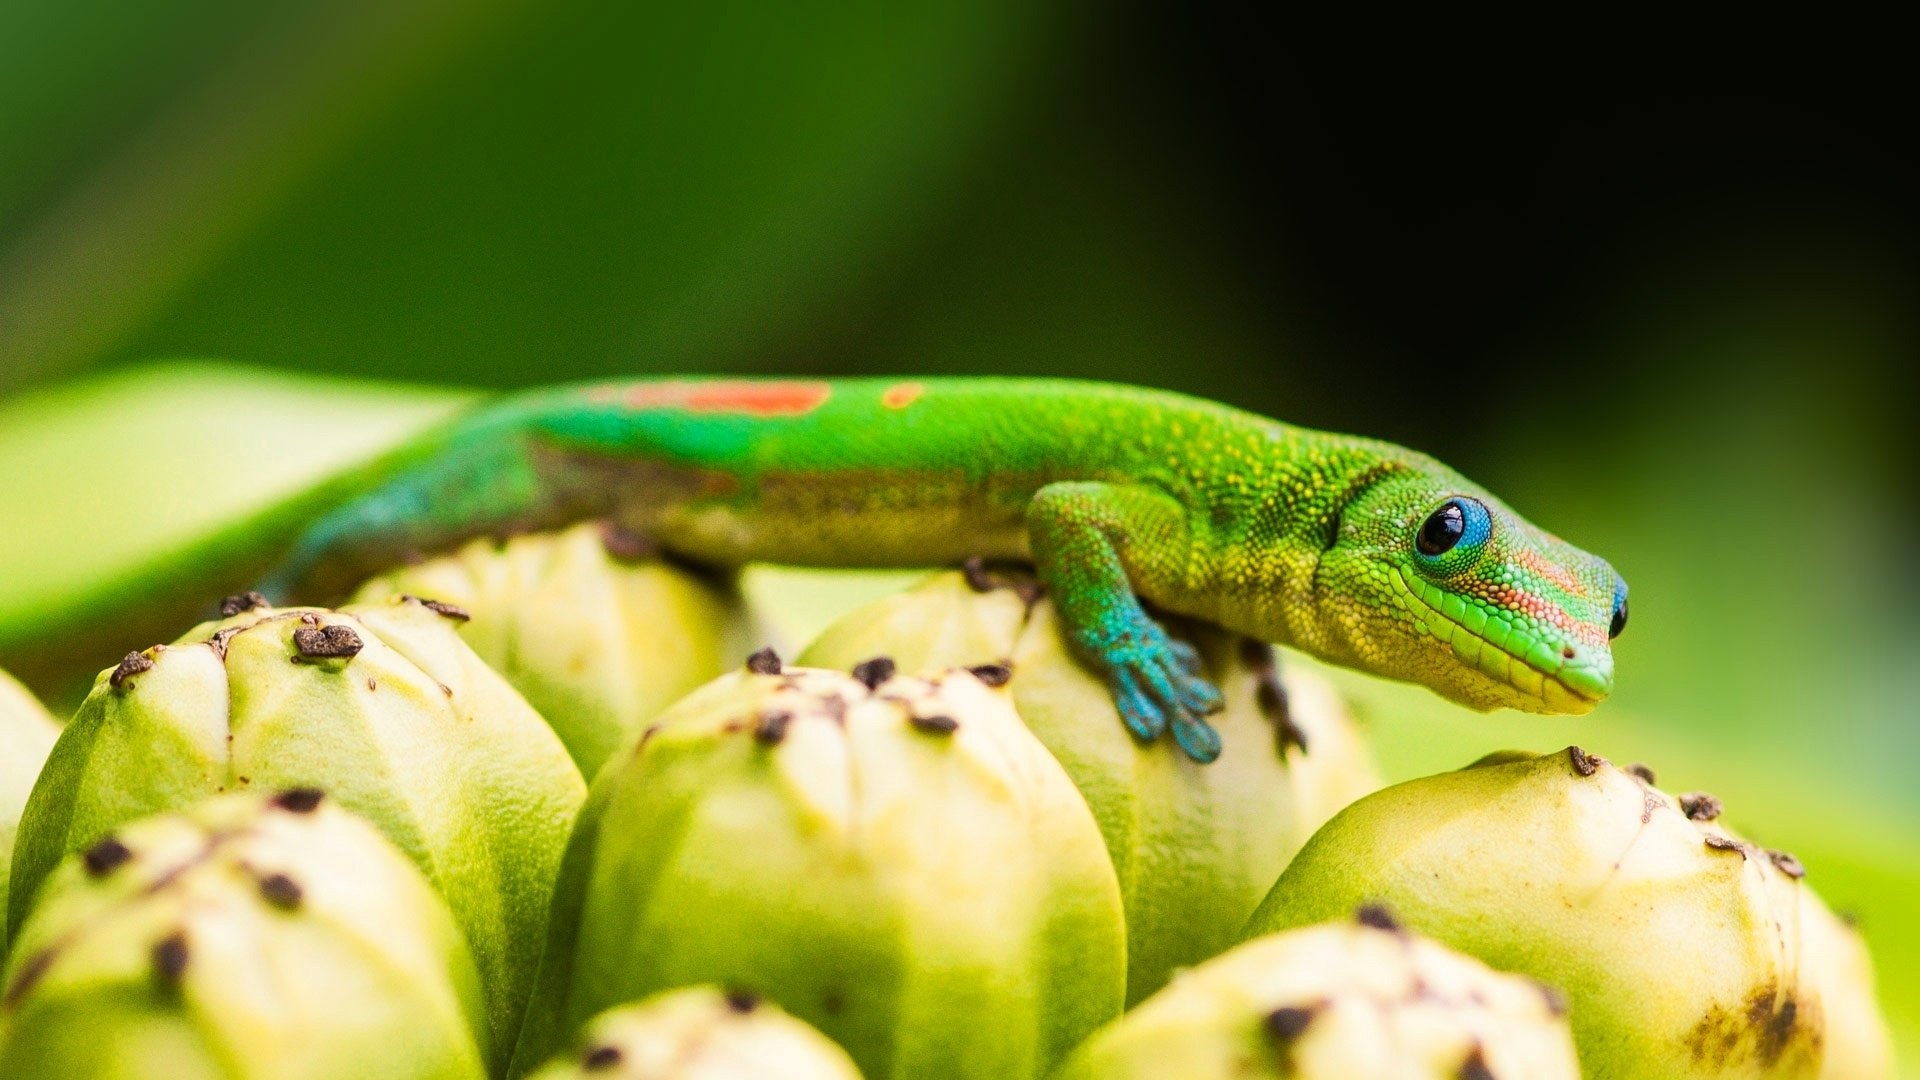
x=1673 y=321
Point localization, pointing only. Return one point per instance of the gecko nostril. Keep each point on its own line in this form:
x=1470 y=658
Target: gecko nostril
x=1566 y=651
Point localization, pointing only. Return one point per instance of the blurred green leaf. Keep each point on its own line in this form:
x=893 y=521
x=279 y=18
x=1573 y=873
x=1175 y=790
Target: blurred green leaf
x=108 y=487
x=509 y=190
x=101 y=477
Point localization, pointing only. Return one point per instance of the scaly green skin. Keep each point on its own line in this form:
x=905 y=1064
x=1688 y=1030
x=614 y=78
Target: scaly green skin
x=1289 y=535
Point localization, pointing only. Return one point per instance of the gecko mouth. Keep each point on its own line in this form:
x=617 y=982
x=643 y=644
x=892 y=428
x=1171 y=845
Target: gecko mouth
x=1543 y=676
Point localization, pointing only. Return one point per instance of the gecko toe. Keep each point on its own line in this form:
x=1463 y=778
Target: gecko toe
x=1196 y=738
x=1158 y=682
x=1143 y=716
x=1154 y=696
x=1199 y=697
x=1185 y=656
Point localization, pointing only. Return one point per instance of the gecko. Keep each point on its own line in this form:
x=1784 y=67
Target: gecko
x=1123 y=499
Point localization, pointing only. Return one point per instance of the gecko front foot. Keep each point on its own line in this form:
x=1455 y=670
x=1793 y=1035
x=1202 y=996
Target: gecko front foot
x=1157 y=684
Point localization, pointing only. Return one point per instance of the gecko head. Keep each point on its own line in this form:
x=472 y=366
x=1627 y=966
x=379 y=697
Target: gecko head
x=1437 y=582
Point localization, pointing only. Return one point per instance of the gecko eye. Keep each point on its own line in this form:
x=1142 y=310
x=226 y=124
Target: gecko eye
x=1443 y=529
x=1619 y=610
x=1453 y=537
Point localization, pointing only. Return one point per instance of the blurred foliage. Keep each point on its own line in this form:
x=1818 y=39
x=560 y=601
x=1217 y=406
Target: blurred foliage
x=1676 y=330
x=477 y=189
x=90 y=452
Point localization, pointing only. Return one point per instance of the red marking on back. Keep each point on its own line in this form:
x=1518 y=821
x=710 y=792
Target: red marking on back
x=734 y=396
x=901 y=395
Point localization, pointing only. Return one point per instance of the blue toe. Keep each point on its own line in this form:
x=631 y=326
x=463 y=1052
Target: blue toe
x=1144 y=717
x=1185 y=655
x=1200 y=697
x=1159 y=681
x=1197 y=738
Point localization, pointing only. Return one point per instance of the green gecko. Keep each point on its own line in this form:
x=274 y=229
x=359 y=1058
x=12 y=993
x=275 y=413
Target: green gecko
x=1357 y=551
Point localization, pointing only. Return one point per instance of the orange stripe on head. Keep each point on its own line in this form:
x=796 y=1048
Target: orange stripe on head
x=901 y=395
x=735 y=396
x=1547 y=568
x=1539 y=607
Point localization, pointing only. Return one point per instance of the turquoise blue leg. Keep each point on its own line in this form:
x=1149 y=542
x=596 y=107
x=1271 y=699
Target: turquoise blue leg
x=1093 y=543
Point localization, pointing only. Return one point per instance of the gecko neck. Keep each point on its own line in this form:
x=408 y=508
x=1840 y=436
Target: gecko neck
x=1260 y=541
